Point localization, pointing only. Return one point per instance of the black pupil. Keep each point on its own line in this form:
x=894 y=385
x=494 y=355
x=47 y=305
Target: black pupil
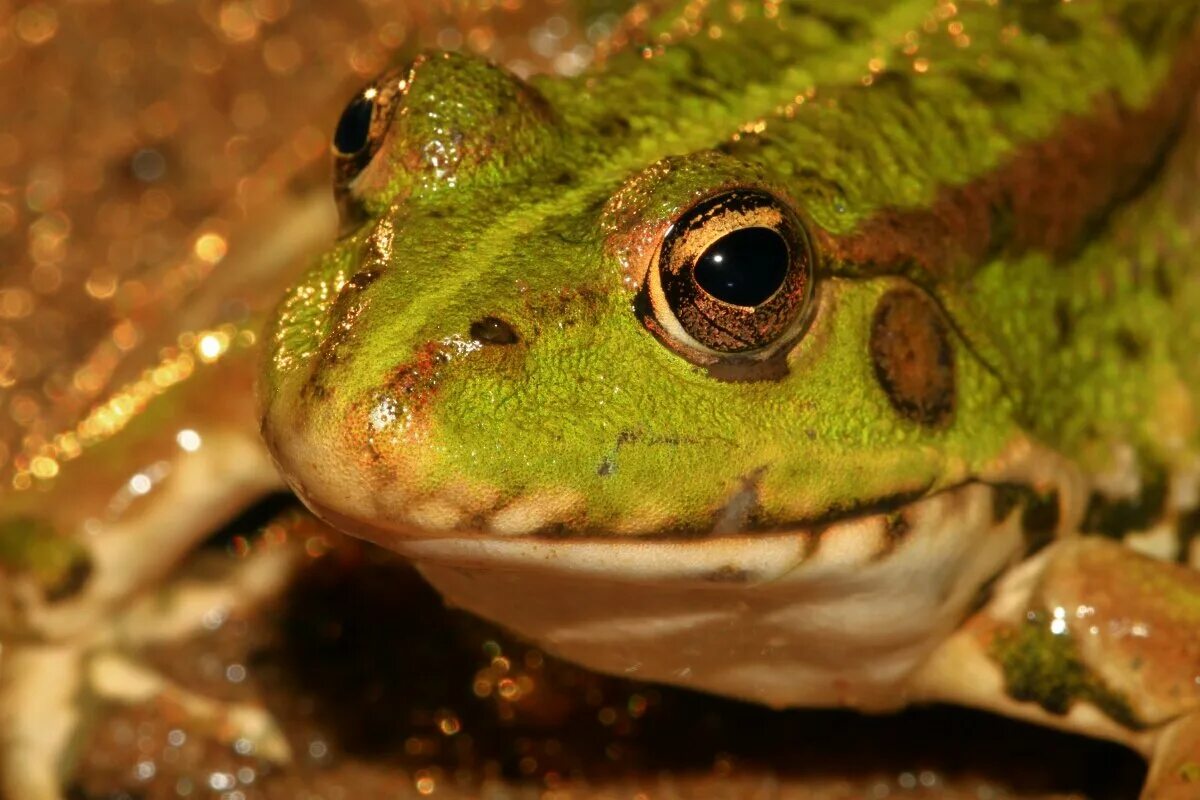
x=354 y=126
x=743 y=268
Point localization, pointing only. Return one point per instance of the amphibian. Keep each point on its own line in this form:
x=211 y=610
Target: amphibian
x=815 y=354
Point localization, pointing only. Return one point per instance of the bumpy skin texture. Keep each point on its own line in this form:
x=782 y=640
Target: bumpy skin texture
x=548 y=228
x=1003 y=232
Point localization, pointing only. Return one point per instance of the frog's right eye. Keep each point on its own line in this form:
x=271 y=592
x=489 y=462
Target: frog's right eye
x=732 y=279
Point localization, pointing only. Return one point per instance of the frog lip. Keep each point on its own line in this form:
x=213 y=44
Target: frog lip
x=735 y=557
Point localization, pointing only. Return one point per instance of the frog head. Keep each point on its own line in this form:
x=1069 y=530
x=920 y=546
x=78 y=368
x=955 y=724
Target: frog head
x=600 y=374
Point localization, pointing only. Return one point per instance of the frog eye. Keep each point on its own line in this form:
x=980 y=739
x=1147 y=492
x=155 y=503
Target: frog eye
x=360 y=130
x=359 y=134
x=732 y=278
x=354 y=126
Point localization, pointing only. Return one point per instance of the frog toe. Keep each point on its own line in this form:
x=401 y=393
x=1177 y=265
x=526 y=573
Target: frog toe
x=118 y=678
x=39 y=719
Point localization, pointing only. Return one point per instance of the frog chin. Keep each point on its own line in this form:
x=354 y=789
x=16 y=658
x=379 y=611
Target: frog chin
x=836 y=615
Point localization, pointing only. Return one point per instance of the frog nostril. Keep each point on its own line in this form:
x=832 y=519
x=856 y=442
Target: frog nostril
x=493 y=330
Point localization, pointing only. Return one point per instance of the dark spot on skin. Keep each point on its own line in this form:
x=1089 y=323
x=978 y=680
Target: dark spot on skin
x=1064 y=323
x=1044 y=668
x=896 y=527
x=493 y=330
x=362 y=280
x=1045 y=18
x=1129 y=344
x=1189 y=531
x=1001 y=229
x=314 y=389
x=1116 y=518
x=1039 y=517
x=992 y=91
x=1163 y=284
x=913 y=359
x=613 y=126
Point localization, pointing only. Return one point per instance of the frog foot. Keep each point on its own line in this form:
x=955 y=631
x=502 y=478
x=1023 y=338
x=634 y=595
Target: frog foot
x=48 y=686
x=119 y=679
x=1089 y=637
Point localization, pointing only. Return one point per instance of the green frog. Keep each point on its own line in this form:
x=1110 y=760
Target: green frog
x=810 y=353
x=807 y=353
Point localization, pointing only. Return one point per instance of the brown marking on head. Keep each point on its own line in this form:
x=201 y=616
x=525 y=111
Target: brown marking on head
x=914 y=362
x=1049 y=196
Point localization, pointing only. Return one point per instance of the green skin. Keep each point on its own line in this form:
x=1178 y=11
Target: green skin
x=518 y=221
x=966 y=170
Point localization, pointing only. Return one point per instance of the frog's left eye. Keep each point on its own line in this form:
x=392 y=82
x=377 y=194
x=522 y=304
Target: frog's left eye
x=354 y=127
x=359 y=134
x=360 y=130
x=732 y=278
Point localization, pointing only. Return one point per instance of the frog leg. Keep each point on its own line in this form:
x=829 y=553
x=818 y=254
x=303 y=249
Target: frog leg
x=1091 y=637
x=134 y=550
x=187 y=610
x=39 y=718
x=45 y=688
x=115 y=677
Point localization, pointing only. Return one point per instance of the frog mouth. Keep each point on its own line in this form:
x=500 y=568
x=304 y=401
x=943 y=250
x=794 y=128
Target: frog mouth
x=833 y=615
x=923 y=526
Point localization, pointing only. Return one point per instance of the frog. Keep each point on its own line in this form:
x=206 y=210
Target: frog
x=939 y=447
x=813 y=354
